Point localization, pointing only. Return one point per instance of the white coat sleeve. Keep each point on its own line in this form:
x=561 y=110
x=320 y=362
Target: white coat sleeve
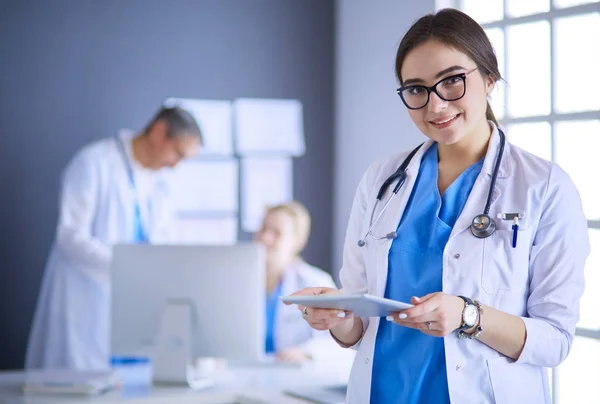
x=77 y=211
x=353 y=275
x=560 y=249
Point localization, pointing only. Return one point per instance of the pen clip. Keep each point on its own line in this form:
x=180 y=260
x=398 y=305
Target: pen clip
x=510 y=216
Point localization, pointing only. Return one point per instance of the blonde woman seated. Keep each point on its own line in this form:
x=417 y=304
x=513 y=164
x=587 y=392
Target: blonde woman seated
x=284 y=234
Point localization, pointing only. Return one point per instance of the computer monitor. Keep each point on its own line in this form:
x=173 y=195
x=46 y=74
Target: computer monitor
x=223 y=288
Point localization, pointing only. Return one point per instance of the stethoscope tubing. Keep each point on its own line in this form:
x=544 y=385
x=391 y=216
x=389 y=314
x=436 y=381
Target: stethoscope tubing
x=401 y=175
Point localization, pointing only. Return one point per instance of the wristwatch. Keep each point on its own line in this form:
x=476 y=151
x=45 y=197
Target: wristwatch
x=470 y=316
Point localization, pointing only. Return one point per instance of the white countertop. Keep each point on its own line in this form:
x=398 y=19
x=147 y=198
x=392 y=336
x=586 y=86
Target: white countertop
x=243 y=385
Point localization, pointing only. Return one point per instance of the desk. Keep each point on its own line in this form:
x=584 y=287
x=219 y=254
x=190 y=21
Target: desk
x=262 y=384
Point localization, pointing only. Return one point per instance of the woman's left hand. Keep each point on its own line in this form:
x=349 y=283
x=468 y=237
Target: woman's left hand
x=436 y=314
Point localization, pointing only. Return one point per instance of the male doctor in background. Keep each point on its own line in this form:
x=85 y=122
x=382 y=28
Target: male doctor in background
x=113 y=191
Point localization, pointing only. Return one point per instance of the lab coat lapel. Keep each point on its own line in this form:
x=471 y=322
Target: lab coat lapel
x=390 y=219
x=475 y=204
x=290 y=283
x=120 y=175
x=286 y=315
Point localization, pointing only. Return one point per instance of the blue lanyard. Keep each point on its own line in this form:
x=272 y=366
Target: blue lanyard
x=139 y=235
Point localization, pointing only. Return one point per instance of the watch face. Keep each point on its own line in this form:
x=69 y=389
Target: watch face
x=470 y=315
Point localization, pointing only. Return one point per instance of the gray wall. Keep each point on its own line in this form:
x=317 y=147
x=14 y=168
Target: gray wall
x=370 y=120
x=73 y=71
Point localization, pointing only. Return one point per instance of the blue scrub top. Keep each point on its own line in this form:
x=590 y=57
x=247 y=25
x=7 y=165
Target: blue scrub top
x=271 y=311
x=409 y=367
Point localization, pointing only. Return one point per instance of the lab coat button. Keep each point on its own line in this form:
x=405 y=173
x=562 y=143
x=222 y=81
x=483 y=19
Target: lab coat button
x=456 y=256
x=458 y=367
x=367 y=361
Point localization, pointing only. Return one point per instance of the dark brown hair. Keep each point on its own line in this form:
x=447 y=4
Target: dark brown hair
x=459 y=31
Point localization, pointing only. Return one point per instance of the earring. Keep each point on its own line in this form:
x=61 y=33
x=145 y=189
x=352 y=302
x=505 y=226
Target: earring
x=489 y=98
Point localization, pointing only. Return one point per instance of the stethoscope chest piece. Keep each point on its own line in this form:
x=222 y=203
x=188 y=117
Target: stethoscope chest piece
x=483 y=226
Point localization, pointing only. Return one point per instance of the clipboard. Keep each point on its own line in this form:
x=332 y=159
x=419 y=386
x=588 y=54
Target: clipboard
x=362 y=305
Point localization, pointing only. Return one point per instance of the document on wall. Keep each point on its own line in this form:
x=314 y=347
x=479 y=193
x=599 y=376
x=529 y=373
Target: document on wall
x=268 y=126
x=207 y=230
x=214 y=117
x=205 y=185
x=265 y=182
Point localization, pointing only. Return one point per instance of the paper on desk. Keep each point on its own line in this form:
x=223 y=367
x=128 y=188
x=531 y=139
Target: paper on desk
x=207 y=230
x=264 y=182
x=205 y=185
x=69 y=381
x=214 y=118
x=264 y=126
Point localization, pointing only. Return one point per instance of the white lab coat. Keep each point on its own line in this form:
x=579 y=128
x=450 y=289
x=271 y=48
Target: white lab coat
x=541 y=280
x=292 y=331
x=71 y=325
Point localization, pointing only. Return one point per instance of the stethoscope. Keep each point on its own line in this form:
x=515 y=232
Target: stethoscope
x=482 y=225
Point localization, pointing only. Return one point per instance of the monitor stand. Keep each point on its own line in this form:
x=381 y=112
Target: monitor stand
x=173 y=362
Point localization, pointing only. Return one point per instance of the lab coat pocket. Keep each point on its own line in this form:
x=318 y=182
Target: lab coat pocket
x=514 y=383
x=505 y=268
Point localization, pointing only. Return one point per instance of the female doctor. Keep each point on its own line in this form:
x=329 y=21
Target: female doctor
x=284 y=233
x=113 y=191
x=486 y=240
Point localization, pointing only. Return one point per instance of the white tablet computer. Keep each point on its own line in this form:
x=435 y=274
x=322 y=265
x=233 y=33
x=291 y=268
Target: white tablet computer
x=362 y=305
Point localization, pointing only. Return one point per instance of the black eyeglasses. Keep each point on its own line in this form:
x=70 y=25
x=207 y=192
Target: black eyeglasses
x=452 y=88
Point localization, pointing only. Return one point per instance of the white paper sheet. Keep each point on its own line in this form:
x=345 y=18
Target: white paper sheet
x=205 y=185
x=207 y=230
x=264 y=126
x=214 y=118
x=265 y=182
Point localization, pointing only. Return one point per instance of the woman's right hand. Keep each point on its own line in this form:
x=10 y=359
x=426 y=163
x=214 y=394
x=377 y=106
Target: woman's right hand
x=325 y=319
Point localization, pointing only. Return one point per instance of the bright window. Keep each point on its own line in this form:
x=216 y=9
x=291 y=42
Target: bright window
x=578 y=375
x=484 y=11
x=534 y=137
x=576 y=80
x=527 y=72
x=576 y=151
x=520 y=8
